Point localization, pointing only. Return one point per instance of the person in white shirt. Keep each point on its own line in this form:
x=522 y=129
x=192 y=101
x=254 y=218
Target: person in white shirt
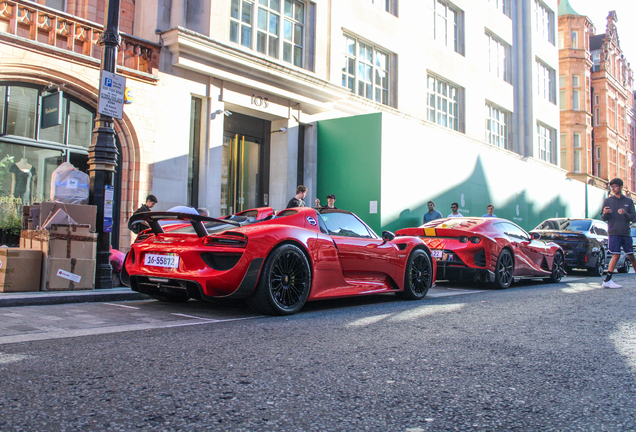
x=454 y=207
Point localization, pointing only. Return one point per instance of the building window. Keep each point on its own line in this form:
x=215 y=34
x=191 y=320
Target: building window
x=562 y=100
x=576 y=100
x=598 y=169
x=502 y=6
x=443 y=103
x=598 y=152
x=279 y=34
x=544 y=18
x=388 y=5
x=56 y=4
x=561 y=41
x=497 y=126
x=575 y=80
x=545 y=81
x=577 y=161
x=596 y=99
x=564 y=151
x=577 y=140
x=443 y=24
x=575 y=40
x=545 y=143
x=597 y=117
x=498 y=57
x=365 y=70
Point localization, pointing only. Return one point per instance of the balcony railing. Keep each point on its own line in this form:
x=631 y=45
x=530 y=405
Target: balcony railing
x=54 y=28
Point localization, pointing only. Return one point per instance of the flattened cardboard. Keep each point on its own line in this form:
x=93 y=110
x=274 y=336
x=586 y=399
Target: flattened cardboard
x=83 y=268
x=82 y=214
x=20 y=270
x=60 y=217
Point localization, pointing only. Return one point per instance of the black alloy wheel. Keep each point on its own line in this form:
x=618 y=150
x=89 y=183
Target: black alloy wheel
x=504 y=269
x=418 y=277
x=625 y=267
x=599 y=268
x=558 y=269
x=284 y=284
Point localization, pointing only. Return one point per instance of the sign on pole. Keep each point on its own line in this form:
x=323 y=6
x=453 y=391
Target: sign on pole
x=111 y=94
x=52 y=110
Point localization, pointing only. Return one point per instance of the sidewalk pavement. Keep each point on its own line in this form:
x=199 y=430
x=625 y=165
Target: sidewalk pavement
x=41 y=298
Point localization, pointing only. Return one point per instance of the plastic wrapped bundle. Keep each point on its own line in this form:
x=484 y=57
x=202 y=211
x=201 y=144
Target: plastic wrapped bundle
x=68 y=185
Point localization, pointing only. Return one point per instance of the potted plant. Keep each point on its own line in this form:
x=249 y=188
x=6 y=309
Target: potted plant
x=10 y=224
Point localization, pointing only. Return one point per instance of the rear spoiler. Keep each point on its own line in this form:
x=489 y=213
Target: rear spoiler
x=153 y=218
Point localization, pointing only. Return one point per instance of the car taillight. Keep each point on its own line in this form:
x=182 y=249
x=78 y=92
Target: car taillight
x=227 y=240
x=475 y=240
x=463 y=239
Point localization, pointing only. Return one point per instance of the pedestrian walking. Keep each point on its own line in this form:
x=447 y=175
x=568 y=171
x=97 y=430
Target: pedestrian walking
x=490 y=209
x=455 y=213
x=618 y=212
x=297 y=200
x=432 y=214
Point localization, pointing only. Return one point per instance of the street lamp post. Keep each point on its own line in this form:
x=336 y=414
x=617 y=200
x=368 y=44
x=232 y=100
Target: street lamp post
x=102 y=154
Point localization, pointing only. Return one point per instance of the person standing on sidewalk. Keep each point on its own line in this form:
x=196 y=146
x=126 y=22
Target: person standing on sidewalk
x=618 y=212
x=297 y=200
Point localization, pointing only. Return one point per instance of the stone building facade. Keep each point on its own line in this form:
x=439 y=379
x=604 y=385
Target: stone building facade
x=596 y=101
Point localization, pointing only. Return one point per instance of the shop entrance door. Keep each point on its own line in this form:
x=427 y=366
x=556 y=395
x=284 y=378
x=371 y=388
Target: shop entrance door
x=240 y=181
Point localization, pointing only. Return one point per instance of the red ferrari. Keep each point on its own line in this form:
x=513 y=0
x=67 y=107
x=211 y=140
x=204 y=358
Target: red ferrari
x=277 y=262
x=489 y=250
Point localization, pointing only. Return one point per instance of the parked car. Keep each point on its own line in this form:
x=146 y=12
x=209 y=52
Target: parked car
x=584 y=242
x=277 y=262
x=633 y=229
x=488 y=249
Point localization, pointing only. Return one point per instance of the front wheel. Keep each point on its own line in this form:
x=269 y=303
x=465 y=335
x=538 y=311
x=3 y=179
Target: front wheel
x=284 y=283
x=504 y=269
x=418 y=277
x=558 y=270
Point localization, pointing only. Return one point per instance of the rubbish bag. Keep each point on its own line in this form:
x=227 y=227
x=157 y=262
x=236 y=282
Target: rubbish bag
x=68 y=185
x=116 y=259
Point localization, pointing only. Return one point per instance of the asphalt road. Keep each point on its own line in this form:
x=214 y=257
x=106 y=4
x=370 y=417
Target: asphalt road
x=533 y=357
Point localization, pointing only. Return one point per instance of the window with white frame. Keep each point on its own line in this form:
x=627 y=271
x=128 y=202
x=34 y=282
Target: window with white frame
x=545 y=81
x=577 y=140
x=598 y=169
x=575 y=39
x=502 y=6
x=563 y=141
x=443 y=24
x=443 y=103
x=576 y=99
x=577 y=161
x=497 y=126
x=597 y=117
x=596 y=99
x=365 y=70
x=598 y=152
x=575 y=81
x=498 y=57
x=388 y=5
x=561 y=40
x=544 y=21
x=276 y=28
x=545 y=143
x=562 y=92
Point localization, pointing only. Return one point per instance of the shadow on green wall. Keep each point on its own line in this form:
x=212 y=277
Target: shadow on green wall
x=473 y=196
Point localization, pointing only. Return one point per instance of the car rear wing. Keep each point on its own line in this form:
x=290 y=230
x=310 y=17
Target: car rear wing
x=153 y=218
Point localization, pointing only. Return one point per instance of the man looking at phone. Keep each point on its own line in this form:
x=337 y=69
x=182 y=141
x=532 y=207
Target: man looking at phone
x=618 y=212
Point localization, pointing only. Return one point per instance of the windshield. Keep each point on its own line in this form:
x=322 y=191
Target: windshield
x=565 y=225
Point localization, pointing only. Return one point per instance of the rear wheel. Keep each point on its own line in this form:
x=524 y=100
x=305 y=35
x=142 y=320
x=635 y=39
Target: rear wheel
x=625 y=267
x=284 y=284
x=599 y=268
x=418 y=277
x=504 y=269
x=558 y=270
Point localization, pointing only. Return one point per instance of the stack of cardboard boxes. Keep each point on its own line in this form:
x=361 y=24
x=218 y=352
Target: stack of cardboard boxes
x=64 y=234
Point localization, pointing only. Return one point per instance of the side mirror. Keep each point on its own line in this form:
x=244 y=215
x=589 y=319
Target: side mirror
x=536 y=236
x=387 y=236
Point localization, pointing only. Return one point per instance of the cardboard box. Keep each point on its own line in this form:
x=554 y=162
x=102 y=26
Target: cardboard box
x=67 y=274
x=82 y=214
x=34 y=217
x=20 y=270
x=62 y=241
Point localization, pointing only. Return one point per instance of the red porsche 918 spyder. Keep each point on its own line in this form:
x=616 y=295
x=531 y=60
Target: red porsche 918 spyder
x=489 y=250
x=276 y=262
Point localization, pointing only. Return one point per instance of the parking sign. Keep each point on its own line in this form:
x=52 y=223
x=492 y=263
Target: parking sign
x=111 y=95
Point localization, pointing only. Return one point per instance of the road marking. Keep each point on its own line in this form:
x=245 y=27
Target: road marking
x=452 y=292
x=61 y=334
x=121 y=306
x=192 y=316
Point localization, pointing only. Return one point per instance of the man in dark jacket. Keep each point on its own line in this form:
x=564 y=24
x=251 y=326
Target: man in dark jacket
x=618 y=212
x=297 y=200
x=151 y=200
